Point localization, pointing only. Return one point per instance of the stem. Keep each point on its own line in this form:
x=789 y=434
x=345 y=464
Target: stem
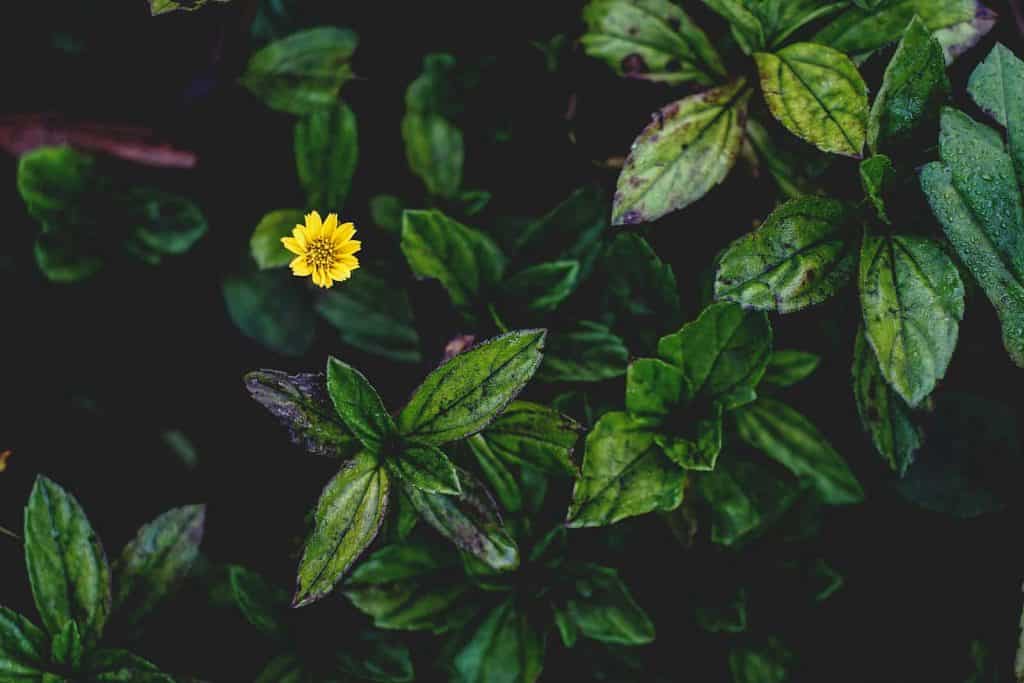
x=502 y=327
x=7 y=532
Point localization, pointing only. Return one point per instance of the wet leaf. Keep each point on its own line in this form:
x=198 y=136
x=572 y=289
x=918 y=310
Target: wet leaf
x=877 y=177
x=265 y=243
x=326 y=153
x=359 y=405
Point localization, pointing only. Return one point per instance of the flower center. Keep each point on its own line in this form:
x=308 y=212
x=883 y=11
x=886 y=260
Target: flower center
x=320 y=253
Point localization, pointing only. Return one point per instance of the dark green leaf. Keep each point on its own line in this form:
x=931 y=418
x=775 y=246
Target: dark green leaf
x=817 y=94
x=589 y=353
x=497 y=474
x=348 y=517
x=386 y=210
x=424 y=467
x=157 y=560
x=770 y=663
x=730 y=617
x=464 y=260
x=723 y=353
x=285 y=669
x=567 y=628
x=913 y=89
x=996 y=85
x=504 y=648
x=66 y=565
x=302 y=405
x=699 y=446
x=163 y=222
x=66 y=257
x=60 y=186
x=359 y=405
x=782 y=18
x=271 y=309
x=800 y=256
x=163 y=6
x=788 y=437
x=653 y=40
x=410 y=587
x=746 y=26
x=433 y=143
x=66 y=647
x=877 y=177
x=261 y=604
x=793 y=165
x=655 y=388
x=624 y=474
x=121 y=666
x=375 y=657
x=572 y=230
x=462 y=396
x=265 y=243
x=23 y=648
x=303 y=72
x=541 y=288
x=470 y=520
x=745 y=498
x=913 y=299
x=604 y=609
x=326 y=153
x=686 y=150
x=536 y=436
x=787 y=367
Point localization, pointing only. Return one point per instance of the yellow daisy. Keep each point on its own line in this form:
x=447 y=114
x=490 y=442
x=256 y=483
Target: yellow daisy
x=323 y=249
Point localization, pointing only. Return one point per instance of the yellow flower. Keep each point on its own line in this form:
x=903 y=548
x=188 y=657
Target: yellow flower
x=323 y=249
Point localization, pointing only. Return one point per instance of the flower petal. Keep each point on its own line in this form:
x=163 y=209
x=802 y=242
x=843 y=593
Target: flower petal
x=299 y=233
x=350 y=247
x=346 y=231
x=314 y=226
x=330 y=224
x=293 y=245
x=349 y=261
x=340 y=272
x=300 y=266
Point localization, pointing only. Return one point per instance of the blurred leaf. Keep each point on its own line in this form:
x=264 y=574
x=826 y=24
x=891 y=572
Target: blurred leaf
x=265 y=243
x=745 y=498
x=730 y=617
x=433 y=143
x=573 y=230
x=271 y=309
x=769 y=663
x=23 y=648
x=505 y=646
x=786 y=367
x=542 y=287
x=164 y=222
x=163 y=6
x=386 y=210
x=66 y=257
x=359 y=405
x=604 y=609
x=285 y=668
x=588 y=353
x=375 y=657
x=120 y=665
x=326 y=153
x=261 y=604
x=303 y=72
x=877 y=177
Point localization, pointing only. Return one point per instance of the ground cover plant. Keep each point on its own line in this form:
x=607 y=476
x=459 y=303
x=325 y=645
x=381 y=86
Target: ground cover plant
x=425 y=365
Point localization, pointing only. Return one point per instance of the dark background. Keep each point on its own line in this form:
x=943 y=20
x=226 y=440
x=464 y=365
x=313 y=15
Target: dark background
x=91 y=374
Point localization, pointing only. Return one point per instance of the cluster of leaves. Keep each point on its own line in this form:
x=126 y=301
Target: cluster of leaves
x=78 y=594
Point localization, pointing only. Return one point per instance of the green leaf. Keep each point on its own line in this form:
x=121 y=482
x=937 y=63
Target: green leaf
x=466 y=261
x=161 y=221
x=462 y=396
x=687 y=149
x=730 y=617
x=424 y=467
x=782 y=18
x=386 y=210
x=789 y=438
x=66 y=647
x=567 y=629
x=769 y=663
x=746 y=26
x=348 y=517
x=301 y=403
x=604 y=609
x=375 y=657
x=103 y=666
x=655 y=388
x=60 y=186
x=470 y=520
x=541 y=288
x=303 y=72
x=957 y=24
x=787 y=367
x=67 y=567
x=66 y=257
x=883 y=414
x=497 y=474
x=723 y=353
x=433 y=143
x=589 y=353
x=624 y=474
x=817 y=94
x=801 y=255
x=653 y=40
x=163 y=6
x=877 y=177
x=794 y=166
x=504 y=648
x=913 y=90
x=156 y=561
x=265 y=243
x=285 y=668
x=411 y=587
x=745 y=498
x=699 y=446
x=261 y=604
x=271 y=309
x=359 y=405
x=996 y=87
x=913 y=300
x=326 y=153
x=373 y=315
x=535 y=436
x=23 y=648
x=573 y=230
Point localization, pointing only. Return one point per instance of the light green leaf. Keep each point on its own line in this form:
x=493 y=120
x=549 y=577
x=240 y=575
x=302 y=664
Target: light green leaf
x=655 y=388
x=589 y=353
x=303 y=72
x=462 y=396
x=746 y=26
x=23 y=648
x=163 y=6
x=348 y=517
x=535 y=436
x=359 y=405
x=265 y=243
x=270 y=308
x=913 y=301
x=687 y=149
x=156 y=561
x=470 y=521
x=497 y=474
x=326 y=153
x=411 y=587
x=66 y=565
x=782 y=18
x=116 y=666
x=504 y=648
x=466 y=261
x=301 y=403
x=788 y=437
x=424 y=467
x=817 y=94
x=877 y=177
x=541 y=288
x=799 y=256
x=624 y=474
x=786 y=367
x=723 y=353
x=373 y=314
x=262 y=604
x=654 y=40
x=883 y=414
x=913 y=90
x=59 y=186
x=604 y=610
